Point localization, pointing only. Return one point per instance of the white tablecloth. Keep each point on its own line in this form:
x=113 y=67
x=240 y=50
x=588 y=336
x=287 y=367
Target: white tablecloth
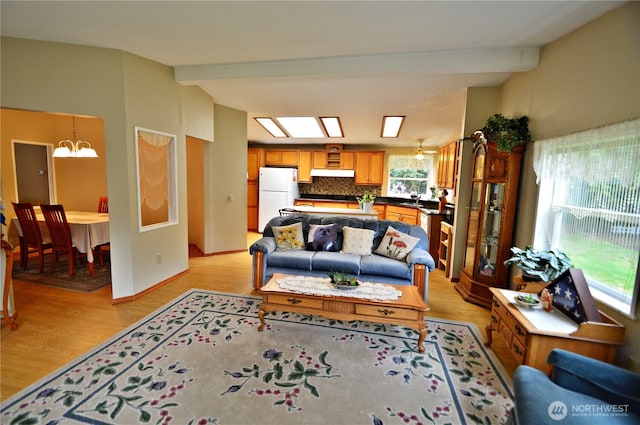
x=88 y=230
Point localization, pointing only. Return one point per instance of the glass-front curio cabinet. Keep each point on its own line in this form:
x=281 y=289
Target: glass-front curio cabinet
x=492 y=209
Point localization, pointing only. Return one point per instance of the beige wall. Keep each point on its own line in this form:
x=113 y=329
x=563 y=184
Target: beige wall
x=226 y=182
x=586 y=79
x=125 y=91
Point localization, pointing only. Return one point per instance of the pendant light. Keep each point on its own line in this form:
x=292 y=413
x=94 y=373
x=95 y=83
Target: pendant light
x=420 y=151
x=74 y=148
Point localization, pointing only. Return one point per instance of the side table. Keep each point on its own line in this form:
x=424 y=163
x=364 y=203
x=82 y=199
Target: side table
x=531 y=333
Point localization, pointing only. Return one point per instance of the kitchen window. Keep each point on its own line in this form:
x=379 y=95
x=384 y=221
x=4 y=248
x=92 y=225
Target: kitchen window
x=589 y=207
x=408 y=174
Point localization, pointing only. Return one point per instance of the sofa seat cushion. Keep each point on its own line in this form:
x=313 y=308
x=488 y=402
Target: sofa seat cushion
x=384 y=266
x=293 y=259
x=335 y=261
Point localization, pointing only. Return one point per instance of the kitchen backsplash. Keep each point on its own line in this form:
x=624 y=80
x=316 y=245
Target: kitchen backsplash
x=336 y=186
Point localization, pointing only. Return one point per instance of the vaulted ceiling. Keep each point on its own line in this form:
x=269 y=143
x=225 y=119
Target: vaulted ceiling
x=359 y=60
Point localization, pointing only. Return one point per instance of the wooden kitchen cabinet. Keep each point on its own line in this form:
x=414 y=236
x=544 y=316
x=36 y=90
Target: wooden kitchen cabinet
x=283 y=158
x=400 y=213
x=531 y=334
x=305 y=164
x=369 y=168
x=255 y=160
x=448 y=165
x=494 y=193
x=320 y=160
x=347 y=160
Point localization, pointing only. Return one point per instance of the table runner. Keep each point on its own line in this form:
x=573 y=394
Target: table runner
x=322 y=286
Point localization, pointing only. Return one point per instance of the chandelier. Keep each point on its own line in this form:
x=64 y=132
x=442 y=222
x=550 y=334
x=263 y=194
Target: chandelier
x=74 y=148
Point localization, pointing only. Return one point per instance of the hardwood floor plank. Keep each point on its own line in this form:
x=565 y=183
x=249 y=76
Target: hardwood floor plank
x=57 y=325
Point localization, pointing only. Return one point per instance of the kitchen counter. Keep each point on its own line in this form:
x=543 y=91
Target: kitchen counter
x=429 y=207
x=329 y=212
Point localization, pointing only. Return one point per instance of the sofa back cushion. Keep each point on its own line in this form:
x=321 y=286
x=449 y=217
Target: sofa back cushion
x=378 y=226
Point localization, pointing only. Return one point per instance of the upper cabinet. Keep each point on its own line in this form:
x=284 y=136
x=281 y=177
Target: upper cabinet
x=448 y=165
x=255 y=160
x=277 y=157
x=305 y=163
x=369 y=168
x=333 y=159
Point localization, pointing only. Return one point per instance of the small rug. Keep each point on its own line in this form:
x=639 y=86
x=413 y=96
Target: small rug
x=201 y=360
x=81 y=281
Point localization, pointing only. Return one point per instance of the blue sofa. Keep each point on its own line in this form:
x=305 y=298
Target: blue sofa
x=579 y=391
x=413 y=270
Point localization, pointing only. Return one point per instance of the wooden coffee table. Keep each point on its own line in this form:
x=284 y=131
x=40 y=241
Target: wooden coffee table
x=408 y=310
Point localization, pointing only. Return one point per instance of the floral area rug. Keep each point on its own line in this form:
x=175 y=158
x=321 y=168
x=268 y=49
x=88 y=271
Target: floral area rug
x=201 y=360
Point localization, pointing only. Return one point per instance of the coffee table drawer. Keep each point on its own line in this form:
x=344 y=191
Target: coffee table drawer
x=293 y=300
x=388 y=312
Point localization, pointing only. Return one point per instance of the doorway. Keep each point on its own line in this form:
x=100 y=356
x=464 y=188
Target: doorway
x=34 y=179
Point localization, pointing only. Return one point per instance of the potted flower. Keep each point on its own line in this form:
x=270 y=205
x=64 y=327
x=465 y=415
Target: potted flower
x=366 y=201
x=542 y=265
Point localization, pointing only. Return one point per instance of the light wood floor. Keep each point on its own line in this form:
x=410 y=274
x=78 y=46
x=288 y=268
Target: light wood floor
x=56 y=325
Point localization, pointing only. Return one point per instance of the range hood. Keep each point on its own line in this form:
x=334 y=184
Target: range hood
x=328 y=172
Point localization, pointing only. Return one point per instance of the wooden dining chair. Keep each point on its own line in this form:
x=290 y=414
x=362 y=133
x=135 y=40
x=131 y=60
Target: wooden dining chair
x=103 y=207
x=31 y=240
x=60 y=234
x=103 y=204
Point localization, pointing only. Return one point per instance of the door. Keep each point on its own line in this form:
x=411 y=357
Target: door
x=34 y=181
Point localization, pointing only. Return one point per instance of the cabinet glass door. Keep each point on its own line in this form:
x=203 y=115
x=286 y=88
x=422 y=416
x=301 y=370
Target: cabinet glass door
x=472 y=230
x=491 y=223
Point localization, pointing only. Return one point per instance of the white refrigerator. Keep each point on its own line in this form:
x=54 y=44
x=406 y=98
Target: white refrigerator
x=278 y=188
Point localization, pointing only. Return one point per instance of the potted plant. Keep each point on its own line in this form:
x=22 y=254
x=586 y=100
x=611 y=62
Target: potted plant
x=366 y=201
x=507 y=132
x=543 y=265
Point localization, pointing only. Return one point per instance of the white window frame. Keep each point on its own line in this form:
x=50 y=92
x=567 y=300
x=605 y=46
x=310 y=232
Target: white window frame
x=428 y=159
x=577 y=158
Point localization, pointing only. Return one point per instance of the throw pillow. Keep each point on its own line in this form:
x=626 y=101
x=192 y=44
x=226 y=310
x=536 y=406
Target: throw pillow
x=396 y=244
x=288 y=237
x=322 y=237
x=357 y=241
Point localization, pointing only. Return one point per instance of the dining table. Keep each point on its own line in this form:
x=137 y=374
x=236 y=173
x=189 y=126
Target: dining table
x=88 y=230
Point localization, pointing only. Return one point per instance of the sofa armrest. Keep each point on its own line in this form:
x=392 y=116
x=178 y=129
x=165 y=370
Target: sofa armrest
x=265 y=245
x=595 y=378
x=537 y=398
x=421 y=256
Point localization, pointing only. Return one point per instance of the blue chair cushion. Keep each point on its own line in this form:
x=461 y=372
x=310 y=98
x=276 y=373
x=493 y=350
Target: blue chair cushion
x=293 y=259
x=383 y=266
x=335 y=261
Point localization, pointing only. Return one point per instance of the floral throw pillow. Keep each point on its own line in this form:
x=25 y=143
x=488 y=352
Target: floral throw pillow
x=396 y=244
x=357 y=241
x=288 y=237
x=322 y=237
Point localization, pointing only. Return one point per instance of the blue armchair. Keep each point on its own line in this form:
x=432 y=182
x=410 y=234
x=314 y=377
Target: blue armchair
x=579 y=391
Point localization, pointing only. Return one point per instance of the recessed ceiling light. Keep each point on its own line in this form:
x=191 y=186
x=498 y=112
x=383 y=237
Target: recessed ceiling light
x=301 y=126
x=271 y=126
x=332 y=126
x=391 y=125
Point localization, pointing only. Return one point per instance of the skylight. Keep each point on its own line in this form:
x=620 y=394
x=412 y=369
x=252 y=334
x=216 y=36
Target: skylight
x=270 y=125
x=391 y=125
x=332 y=126
x=306 y=127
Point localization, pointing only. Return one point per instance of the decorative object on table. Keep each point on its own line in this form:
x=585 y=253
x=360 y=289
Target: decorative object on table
x=526 y=300
x=434 y=192
x=541 y=265
x=343 y=280
x=547 y=299
x=572 y=297
x=161 y=358
x=366 y=201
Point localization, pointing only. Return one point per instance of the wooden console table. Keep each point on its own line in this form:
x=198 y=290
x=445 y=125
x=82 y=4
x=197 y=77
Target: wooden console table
x=407 y=310
x=531 y=334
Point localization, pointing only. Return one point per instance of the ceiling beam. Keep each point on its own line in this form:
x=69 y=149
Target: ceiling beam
x=424 y=63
